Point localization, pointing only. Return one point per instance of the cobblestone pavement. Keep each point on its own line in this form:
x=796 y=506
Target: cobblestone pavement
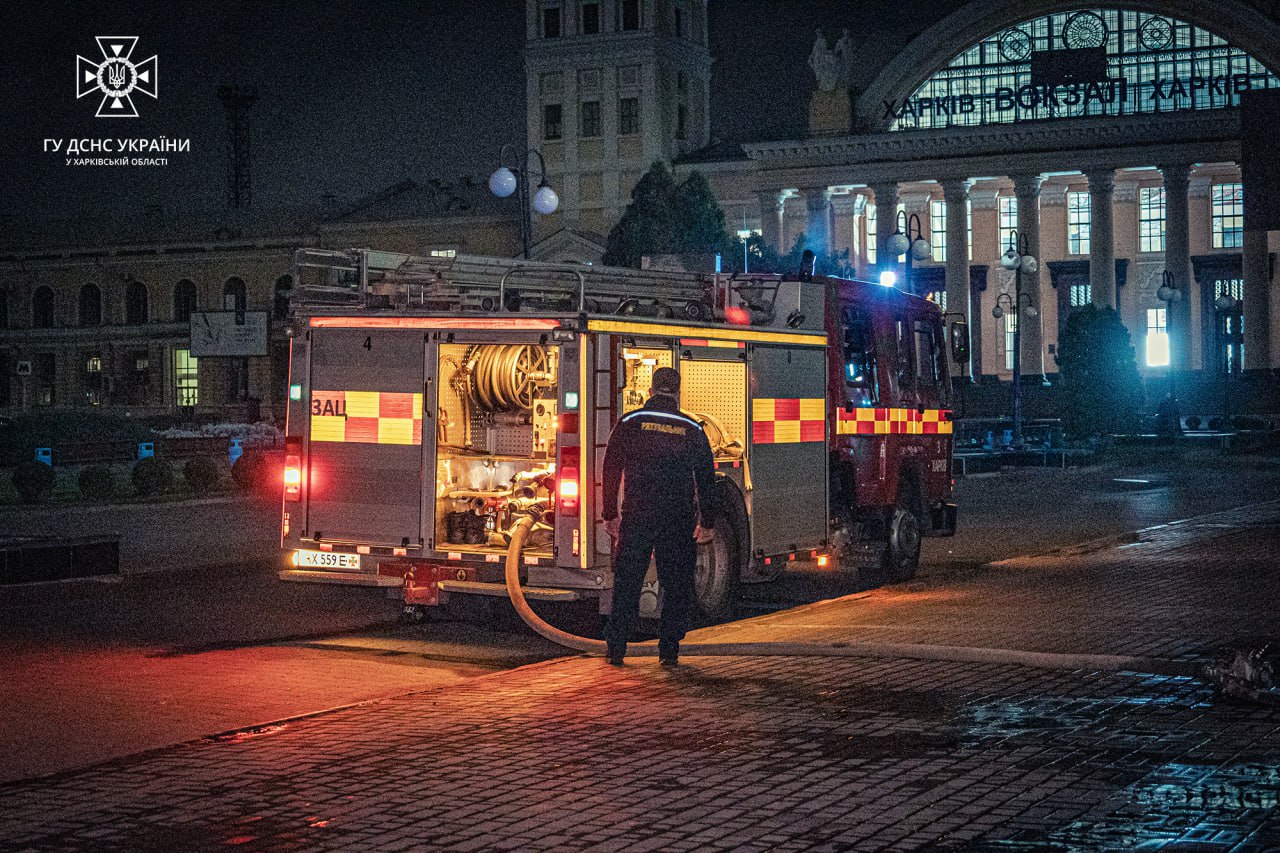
x=1178 y=592
x=774 y=753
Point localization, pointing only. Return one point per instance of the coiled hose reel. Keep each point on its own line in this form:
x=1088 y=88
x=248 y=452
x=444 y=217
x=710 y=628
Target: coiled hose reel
x=505 y=377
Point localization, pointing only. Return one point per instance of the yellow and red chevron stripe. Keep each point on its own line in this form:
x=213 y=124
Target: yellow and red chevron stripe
x=366 y=417
x=878 y=421
x=704 y=342
x=788 y=420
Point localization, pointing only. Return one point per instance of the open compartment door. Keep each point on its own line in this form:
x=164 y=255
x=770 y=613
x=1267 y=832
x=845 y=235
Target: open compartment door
x=788 y=453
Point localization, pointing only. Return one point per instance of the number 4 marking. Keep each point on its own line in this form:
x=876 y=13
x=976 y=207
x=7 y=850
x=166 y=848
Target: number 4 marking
x=368 y=343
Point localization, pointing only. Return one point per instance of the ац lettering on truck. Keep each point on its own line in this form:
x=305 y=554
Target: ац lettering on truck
x=424 y=421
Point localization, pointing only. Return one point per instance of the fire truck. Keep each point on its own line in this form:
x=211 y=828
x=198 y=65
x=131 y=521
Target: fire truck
x=434 y=402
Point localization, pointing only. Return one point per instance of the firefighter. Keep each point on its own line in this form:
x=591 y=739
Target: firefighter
x=668 y=508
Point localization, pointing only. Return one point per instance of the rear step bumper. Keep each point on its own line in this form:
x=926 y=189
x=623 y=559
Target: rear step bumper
x=348 y=578
x=533 y=593
x=497 y=590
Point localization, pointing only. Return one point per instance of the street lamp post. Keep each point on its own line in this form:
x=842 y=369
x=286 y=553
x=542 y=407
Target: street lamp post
x=515 y=179
x=908 y=239
x=1169 y=293
x=1227 y=305
x=1018 y=259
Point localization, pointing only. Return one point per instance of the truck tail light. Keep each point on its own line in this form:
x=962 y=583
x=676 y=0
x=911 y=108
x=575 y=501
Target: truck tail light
x=567 y=487
x=292 y=469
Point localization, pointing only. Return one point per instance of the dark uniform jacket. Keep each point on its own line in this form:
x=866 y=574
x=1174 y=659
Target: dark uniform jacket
x=666 y=459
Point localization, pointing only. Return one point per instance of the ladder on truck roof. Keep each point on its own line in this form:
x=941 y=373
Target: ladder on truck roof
x=375 y=280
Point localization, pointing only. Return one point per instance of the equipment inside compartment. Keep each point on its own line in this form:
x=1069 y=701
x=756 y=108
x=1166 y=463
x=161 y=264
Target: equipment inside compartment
x=496 y=435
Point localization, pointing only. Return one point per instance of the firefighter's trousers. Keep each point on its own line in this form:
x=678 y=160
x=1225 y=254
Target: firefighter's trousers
x=675 y=551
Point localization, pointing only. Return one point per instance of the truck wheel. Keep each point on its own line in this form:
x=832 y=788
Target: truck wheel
x=715 y=576
x=902 y=544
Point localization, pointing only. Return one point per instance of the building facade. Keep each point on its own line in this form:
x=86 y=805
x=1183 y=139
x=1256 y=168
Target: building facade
x=1108 y=137
x=612 y=86
x=103 y=322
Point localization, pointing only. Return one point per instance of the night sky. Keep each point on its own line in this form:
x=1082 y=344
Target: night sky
x=354 y=95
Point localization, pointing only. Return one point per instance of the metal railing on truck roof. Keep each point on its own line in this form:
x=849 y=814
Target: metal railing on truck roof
x=375 y=280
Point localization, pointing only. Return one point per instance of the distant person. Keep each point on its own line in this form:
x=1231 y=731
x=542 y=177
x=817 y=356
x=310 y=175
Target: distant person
x=668 y=509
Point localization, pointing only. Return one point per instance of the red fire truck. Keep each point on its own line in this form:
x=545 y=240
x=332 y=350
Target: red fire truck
x=433 y=402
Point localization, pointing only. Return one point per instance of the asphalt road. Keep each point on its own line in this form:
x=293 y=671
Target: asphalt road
x=89 y=671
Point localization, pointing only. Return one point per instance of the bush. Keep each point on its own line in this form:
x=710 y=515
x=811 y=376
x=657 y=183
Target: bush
x=201 y=474
x=96 y=482
x=152 y=476
x=248 y=472
x=34 y=481
x=1101 y=388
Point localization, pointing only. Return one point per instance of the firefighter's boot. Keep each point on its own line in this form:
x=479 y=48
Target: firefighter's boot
x=616 y=652
x=668 y=653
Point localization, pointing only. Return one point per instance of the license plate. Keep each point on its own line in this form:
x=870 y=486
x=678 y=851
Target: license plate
x=327 y=560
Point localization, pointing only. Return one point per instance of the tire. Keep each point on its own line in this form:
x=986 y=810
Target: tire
x=719 y=562
x=901 y=557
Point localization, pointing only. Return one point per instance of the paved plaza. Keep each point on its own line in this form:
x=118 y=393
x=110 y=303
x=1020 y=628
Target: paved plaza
x=776 y=751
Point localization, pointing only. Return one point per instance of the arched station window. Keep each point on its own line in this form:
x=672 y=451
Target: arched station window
x=90 y=305
x=43 y=308
x=184 y=300
x=135 y=304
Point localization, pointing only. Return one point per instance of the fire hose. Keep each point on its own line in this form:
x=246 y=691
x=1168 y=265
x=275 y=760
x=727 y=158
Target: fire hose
x=910 y=651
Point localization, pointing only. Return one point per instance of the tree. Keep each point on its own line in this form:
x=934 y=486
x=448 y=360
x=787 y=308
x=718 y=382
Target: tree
x=1098 y=373
x=668 y=218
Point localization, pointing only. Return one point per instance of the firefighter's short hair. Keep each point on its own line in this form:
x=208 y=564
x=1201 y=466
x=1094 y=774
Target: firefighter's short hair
x=666 y=380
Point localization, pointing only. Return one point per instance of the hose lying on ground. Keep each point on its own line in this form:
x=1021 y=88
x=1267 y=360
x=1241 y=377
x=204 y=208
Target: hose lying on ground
x=958 y=654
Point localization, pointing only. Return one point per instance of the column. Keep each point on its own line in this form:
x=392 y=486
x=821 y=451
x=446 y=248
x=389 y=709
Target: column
x=1102 y=246
x=1257 y=301
x=886 y=223
x=955 y=193
x=817 y=229
x=1027 y=189
x=771 y=206
x=1177 y=261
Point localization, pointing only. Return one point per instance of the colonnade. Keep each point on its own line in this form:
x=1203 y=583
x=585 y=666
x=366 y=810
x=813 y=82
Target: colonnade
x=819 y=232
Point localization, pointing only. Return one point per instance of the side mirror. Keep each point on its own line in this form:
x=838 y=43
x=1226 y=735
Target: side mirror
x=960 y=341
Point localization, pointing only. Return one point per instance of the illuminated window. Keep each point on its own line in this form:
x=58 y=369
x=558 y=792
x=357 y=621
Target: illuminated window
x=186 y=378
x=1151 y=219
x=968 y=221
x=444 y=253
x=1080 y=295
x=628 y=116
x=552 y=126
x=1151 y=63
x=1010 y=329
x=871 y=233
x=1008 y=206
x=1157 y=338
x=938 y=225
x=590 y=119
x=1078 y=215
x=1228 y=216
